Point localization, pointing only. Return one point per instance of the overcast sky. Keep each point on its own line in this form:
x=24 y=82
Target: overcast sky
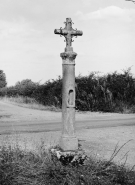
x=29 y=49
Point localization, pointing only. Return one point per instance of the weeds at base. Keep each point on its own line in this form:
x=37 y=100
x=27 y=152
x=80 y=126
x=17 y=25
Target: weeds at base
x=19 y=167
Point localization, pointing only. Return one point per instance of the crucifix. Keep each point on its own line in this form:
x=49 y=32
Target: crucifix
x=68 y=32
x=68 y=140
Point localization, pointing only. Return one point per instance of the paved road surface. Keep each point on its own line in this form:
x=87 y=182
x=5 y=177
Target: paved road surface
x=23 y=120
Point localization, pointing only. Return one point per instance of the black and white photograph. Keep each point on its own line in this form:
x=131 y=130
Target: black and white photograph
x=67 y=92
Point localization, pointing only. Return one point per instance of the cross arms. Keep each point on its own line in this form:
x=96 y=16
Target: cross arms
x=68 y=32
x=64 y=32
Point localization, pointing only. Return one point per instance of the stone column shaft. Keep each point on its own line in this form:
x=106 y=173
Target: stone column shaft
x=68 y=140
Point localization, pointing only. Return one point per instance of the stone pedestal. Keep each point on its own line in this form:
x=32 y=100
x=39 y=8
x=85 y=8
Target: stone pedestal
x=68 y=140
x=69 y=143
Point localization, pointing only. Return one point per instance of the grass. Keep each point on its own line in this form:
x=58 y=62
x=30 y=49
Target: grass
x=29 y=103
x=124 y=108
x=21 y=167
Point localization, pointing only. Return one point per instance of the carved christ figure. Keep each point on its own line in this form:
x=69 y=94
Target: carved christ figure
x=68 y=32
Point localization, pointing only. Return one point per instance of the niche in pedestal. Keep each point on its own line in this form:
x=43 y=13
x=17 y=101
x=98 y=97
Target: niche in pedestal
x=71 y=98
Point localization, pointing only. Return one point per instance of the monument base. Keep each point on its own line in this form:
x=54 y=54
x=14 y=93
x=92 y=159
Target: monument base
x=69 y=143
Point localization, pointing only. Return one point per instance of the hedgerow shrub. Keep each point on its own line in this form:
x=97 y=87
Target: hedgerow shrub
x=110 y=92
x=49 y=93
x=113 y=92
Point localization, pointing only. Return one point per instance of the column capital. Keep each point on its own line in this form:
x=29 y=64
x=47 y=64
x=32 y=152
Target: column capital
x=68 y=57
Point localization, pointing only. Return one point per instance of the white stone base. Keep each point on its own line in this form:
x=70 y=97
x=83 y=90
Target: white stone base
x=69 y=143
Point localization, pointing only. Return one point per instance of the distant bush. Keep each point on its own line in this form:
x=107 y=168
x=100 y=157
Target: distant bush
x=3 y=82
x=24 y=88
x=49 y=93
x=113 y=92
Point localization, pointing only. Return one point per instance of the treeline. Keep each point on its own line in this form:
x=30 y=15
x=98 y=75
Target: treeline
x=113 y=92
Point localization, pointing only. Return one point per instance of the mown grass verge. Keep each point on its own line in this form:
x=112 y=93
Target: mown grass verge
x=21 y=167
x=30 y=103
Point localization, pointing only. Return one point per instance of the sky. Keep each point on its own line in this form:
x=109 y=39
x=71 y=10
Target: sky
x=29 y=49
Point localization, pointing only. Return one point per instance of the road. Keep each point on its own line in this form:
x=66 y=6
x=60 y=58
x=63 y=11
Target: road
x=15 y=119
x=98 y=133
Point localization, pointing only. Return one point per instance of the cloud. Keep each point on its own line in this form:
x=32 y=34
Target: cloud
x=111 y=12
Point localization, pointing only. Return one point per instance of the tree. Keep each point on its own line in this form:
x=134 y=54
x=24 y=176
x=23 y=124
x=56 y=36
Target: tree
x=25 y=87
x=131 y=1
x=3 y=82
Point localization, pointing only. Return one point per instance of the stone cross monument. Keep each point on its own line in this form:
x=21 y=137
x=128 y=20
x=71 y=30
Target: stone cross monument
x=68 y=140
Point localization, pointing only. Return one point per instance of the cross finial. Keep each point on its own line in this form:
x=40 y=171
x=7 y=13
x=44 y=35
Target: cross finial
x=68 y=24
x=68 y=32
